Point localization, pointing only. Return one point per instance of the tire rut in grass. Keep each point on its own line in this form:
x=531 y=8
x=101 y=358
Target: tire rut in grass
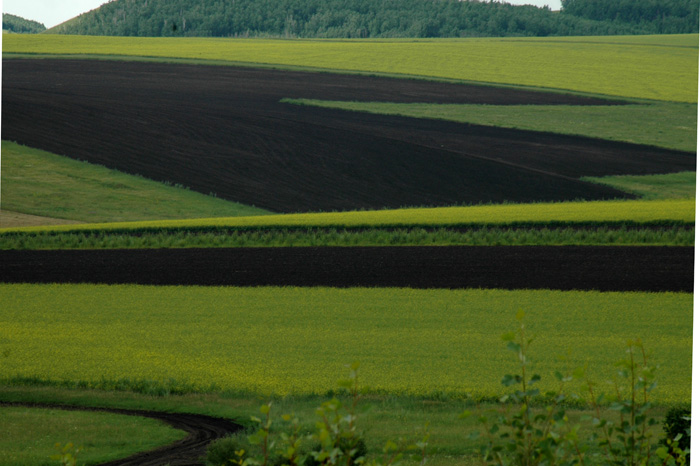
x=201 y=431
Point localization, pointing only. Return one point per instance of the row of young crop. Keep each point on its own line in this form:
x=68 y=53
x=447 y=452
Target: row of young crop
x=674 y=235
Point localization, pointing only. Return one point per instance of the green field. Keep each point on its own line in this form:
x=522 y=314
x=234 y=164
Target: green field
x=647 y=67
x=30 y=434
x=661 y=124
x=40 y=183
x=294 y=341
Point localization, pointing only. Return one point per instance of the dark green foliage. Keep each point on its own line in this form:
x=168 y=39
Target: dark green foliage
x=338 y=18
x=20 y=25
x=656 y=16
x=678 y=423
x=528 y=437
x=359 y=450
x=221 y=451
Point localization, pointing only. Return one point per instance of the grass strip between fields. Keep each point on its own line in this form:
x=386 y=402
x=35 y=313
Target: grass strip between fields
x=649 y=67
x=661 y=124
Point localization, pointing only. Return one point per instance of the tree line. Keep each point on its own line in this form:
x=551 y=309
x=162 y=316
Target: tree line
x=17 y=24
x=654 y=16
x=365 y=18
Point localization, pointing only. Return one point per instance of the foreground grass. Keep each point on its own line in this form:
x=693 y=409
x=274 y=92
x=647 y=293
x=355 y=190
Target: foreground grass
x=29 y=435
x=661 y=124
x=381 y=418
x=291 y=341
x=654 y=212
x=40 y=183
x=485 y=236
x=648 y=67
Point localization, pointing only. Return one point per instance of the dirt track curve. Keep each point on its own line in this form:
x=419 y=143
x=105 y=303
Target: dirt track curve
x=223 y=130
x=201 y=430
x=604 y=268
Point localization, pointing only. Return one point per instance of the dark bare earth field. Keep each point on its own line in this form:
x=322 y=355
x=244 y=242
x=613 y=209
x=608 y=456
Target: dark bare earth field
x=223 y=130
x=605 y=268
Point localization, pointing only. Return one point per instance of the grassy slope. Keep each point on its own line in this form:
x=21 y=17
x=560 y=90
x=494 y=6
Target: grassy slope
x=294 y=340
x=648 y=67
x=29 y=435
x=40 y=183
x=661 y=124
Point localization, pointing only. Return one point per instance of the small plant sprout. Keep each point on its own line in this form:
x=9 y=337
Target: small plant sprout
x=67 y=454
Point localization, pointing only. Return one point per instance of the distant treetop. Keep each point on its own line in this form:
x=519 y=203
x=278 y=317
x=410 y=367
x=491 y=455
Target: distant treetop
x=12 y=23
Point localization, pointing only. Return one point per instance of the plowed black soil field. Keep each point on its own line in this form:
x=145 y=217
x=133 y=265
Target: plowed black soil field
x=607 y=268
x=223 y=130
x=201 y=430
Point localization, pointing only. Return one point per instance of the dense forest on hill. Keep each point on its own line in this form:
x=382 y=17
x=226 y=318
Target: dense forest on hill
x=12 y=23
x=372 y=18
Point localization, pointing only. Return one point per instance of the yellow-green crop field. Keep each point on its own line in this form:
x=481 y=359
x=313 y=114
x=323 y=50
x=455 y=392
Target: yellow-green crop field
x=634 y=211
x=297 y=340
x=647 y=67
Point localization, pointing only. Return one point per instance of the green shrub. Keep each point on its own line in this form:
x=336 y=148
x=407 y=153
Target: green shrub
x=524 y=436
x=677 y=427
x=678 y=422
x=221 y=451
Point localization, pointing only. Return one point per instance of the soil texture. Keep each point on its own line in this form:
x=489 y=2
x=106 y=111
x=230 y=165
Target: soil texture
x=223 y=130
x=201 y=430
x=604 y=268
